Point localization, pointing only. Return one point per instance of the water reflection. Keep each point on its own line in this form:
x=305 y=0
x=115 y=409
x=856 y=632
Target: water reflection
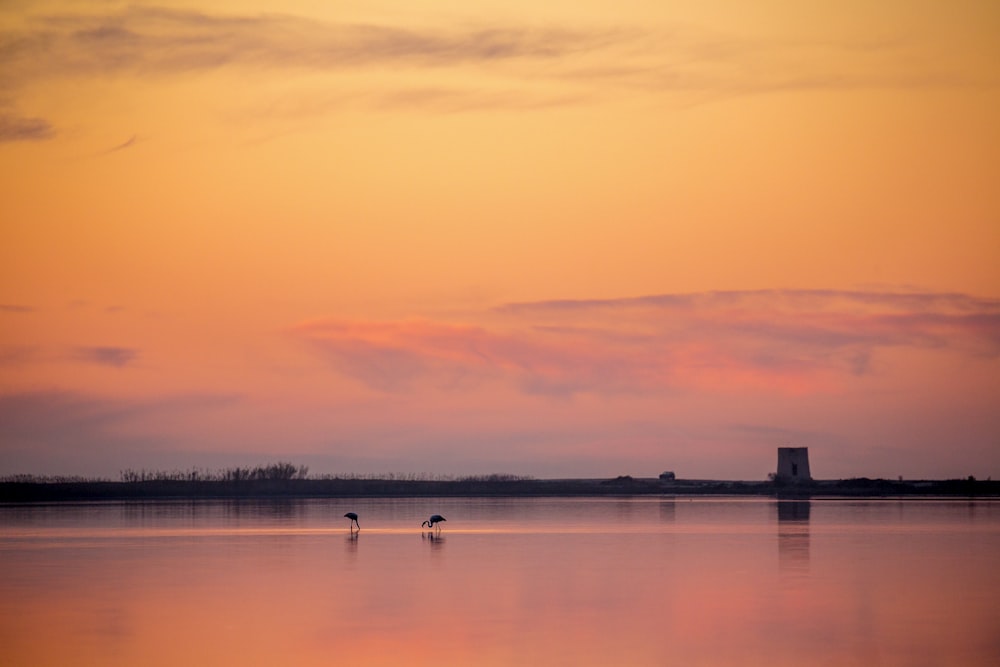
x=793 y=535
x=278 y=509
x=527 y=581
x=624 y=510
x=668 y=511
x=435 y=539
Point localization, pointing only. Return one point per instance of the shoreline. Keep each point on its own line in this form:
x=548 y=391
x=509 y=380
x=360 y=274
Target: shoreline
x=77 y=491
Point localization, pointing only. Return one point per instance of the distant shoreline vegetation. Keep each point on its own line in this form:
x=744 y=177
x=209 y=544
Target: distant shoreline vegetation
x=285 y=480
x=271 y=472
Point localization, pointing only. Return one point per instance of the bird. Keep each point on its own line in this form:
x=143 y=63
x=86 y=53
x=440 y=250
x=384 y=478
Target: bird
x=354 y=520
x=435 y=518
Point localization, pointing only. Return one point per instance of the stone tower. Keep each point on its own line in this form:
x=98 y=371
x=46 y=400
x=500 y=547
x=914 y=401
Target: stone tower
x=793 y=464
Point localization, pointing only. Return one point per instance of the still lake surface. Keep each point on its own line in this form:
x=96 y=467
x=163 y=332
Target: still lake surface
x=527 y=581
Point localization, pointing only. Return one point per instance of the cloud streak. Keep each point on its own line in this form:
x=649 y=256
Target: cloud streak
x=508 y=58
x=20 y=128
x=17 y=355
x=122 y=146
x=114 y=357
x=403 y=356
x=15 y=308
x=791 y=341
x=797 y=298
x=156 y=40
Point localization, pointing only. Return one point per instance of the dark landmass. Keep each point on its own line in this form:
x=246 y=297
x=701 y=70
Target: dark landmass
x=30 y=490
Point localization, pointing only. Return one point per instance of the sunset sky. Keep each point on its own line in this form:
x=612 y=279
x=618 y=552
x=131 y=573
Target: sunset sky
x=559 y=239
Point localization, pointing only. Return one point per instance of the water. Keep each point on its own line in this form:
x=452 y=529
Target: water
x=647 y=581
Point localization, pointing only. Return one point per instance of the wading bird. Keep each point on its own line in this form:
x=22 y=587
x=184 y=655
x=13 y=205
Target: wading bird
x=435 y=518
x=354 y=519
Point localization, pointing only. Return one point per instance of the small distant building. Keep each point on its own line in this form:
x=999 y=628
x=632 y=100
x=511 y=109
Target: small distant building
x=793 y=464
x=667 y=476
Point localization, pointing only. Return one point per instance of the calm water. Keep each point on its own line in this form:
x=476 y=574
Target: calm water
x=506 y=582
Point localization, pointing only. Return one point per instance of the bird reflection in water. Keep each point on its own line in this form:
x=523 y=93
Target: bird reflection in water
x=436 y=540
x=351 y=542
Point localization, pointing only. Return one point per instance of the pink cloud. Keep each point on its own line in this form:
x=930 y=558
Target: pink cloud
x=788 y=342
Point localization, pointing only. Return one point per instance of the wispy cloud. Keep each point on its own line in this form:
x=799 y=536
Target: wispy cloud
x=401 y=356
x=17 y=355
x=799 y=298
x=783 y=340
x=510 y=59
x=122 y=146
x=150 y=41
x=15 y=308
x=21 y=128
x=456 y=100
x=116 y=357
x=155 y=40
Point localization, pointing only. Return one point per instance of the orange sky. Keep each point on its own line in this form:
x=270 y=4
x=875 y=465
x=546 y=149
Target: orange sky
x=583 y=238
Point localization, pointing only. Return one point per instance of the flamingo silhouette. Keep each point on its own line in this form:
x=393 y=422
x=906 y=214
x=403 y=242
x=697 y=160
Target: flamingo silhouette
x=435 y=518
x=354 y=520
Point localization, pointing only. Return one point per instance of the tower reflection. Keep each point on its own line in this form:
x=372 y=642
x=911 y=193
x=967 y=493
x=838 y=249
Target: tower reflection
x=793 y=535
x=668 y=510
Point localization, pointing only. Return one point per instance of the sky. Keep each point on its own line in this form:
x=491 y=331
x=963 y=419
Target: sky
x=553 y=239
